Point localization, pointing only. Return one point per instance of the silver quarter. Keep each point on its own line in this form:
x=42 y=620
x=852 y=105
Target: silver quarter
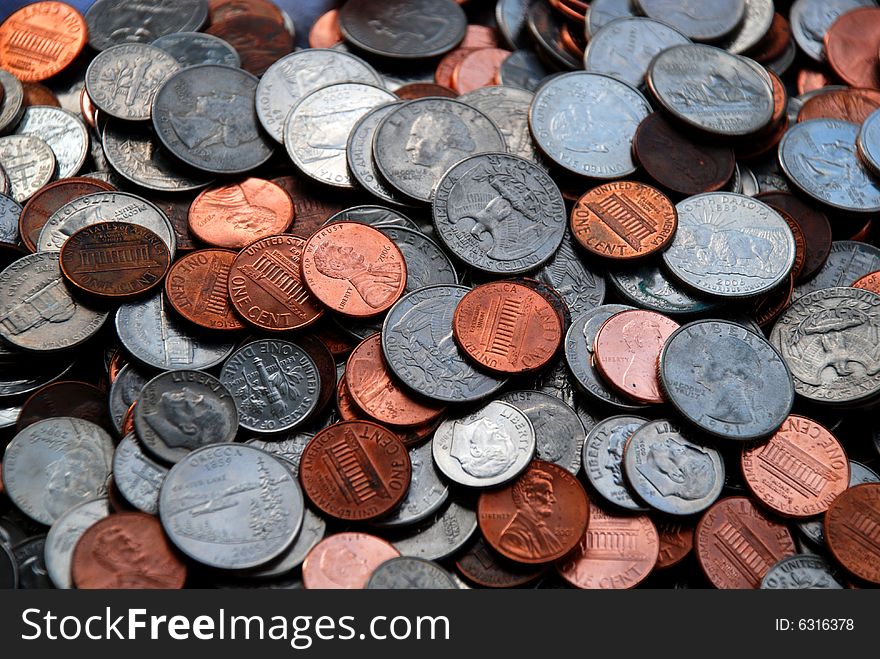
x=868 y=142
x=510 y=17
x=523 y=69
x=602 y=458
x=570 y=276
x=848 y=261
x=426 y=493
x=29 y=162
x=195 y=48
x=648 y=287
x=701 y=20
x=754 y=27
x=119 y=21
x=810 y=20
x=409 y=573
x=444 y=535
x=601 y=12
x=137 y=477
x=508 y=107
x=65 y=533
x=12 y=105
x=359 y=155
x=63 y=131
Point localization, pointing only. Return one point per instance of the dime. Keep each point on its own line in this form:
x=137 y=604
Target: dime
x=63 y=131
x=116 y=21
x=55 y=464
x=29 y=162
x=408 y=573
x=345 y=560
x=676 y=542
x=425 y=494
x=508 y=107
x=868 y=142
x=851 y=531
x=137 y=477
x=522 y=69
x=727 y=380
x=197 y=287
x=602 y=457
x=801 y=572
x=64 y=535
x=41 y=39
x=485 y=448
x=199 y=490
x=810 y=20
x=76 y=399
x=12 y=103
x=849 y=46
x=814 y=226
x=440 y=537
x=195 y=48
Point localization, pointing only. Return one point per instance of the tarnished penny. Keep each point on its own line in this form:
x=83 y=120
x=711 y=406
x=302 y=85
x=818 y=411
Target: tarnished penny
x=345 y=560
x=676 y=542
x=115 y=260
x=126 y=550
x=507 y=328
x=485 y=567
x=852 y=531
x=538 y=518
x=259 y=41
x=478 y=68
x=627 y=350
x=43 y=204
x=870 y=282
x=737 y=544
x=236 y=214
x=799 y=471
x=814 y=225
x=624 y=220
x=354 y=269
x=197 y=287
x=266 y=287
x=846 y=104
x=851 y=47
x=41 y=39
x=78 y=399
x=325 y=32
x=313 y=208
x=37 y=94
x=221 y=10
x=355 y=470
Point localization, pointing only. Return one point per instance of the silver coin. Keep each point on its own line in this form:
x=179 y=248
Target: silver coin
x=814 y=529
x=508 y=107
x=426 y=493
x=316 y=130
x=828 y=338
x=10 y=212
x=602 y=458
x=648 y=287
x=195 y=48
x=377 y=217
x=12 y=104
x=231 y=506
x=417 y=142
x=156 y=337
x=4 y=181
x=868 y=142
x=63 y=131
x=749 y=184
x=810 y=20
x=558 y=381
x=559 y=432
x=545 y=25
x=275 y=385
x=295 y=76
x=181 y=411
x=123 y=80
x=417 y=341
x=37 y=311
x=510 y=17
x=701 y=20
x=670 y=471
x=585 y=123
x=29 y=163
x=601 y=12
x=754 y=27
x=848 y=261
x=9 y=414
x=444 y=535
x=485 y=448
x=26 y=376
x=289 y=448
x=310 y=534
x=730 y=246
x=65 y=533
x=119 y=21
x=726 y=380
x=30 y=556
x=782 y=64
x=802 y=572
x=523 y=69
x=711 y=90
x=570 y=276
x=55 y=464
x=409 y=573
x=124 y=392
x=137 y=477
x=499 y=213
x=624 y=48
x=359 y=155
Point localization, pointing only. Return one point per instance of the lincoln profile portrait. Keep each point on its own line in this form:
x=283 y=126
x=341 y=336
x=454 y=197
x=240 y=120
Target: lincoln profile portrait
x=527 y=534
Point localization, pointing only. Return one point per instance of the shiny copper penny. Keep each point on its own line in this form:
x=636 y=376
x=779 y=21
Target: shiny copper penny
x=312 y=207
x=416 y=90
x=37 y=94
x=374 y=389
x=117 y=362
x=41 y=39
x=736 y=543
x=87 y=109
x=50 y=198
x=624 y=220
x=852 y=105
x=539 y=518
x=478 y=69
x=676 y=542
x=479 y=36
x=775 y=43
x=852 y=531
x=485 y=567
x=127 y=425
x=446 y=67
x=236 y=214
x=851 y=47
x=507 y=328
x=353 y=269
x=265 y=285
x=197 y=287
x=814 y=225
x=870 y=282
x=799 y=471
x=345 y=560
x=678 y=162
x=325 y=32
x=355 y=470
x=126 y=550
x=349 y=411
x=616 y=552
x=220 y=10
x=259 y=41
x=809 y=80
x=77 y=399
x=114 y=260
x=627 y=351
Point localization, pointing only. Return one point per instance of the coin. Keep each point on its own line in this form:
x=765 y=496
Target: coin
x=508 y=107
x=116 y=21
x=847 y=261
x=801 y=572
x=483 y=566
x=425 y=495
x=12 y=104
x=29 y=162
x=77 y=399
x=414 y=90
x=325 y=30
x=220 y=10
x=810 y=20
x=197 y=288
x=310 y=534
x=194 y=48
x=510 y=17
x=65 y=533
x=408 y=573
x=870 y=282
x=10 y=215
x=712 y=21
x=441 y=537
x=522 y=69
x=853 y=105
x=602 y=457
x=378 y=217
x=40 y=40
x=676 y=542
x=312 y=206
x=259 y=41
x=345 y=560
x=545 y=27
x=63 y=131
x=137 y=477
x=849 y=46
x=124 y=393
x=868 y=142
x=478 y=68
x=814 y=226
x=851 y=531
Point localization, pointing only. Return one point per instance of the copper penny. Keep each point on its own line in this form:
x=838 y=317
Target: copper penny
x=487 y=568
x=50 y=198
x=354 y=269
x=814 y=225
x=627 y=350
x=114 y=260
x=176 y=209
x=539 y=518
x=799 y=471
x=345 y=561
x=117 y=362
x=679 y=163
x=443 y=75
x=127 y=425
x=553 y=297
x=852 y=531
x=37 y=94
x=479 y=36
x=624 y=220
x=478 y=69
x=220 y=10
x=197 y=287
x=870 y=282
x=736 y=543
x=259 y=41
x=851 y=47
x=312 y=207
x=41 y=39
x=77 y=399
x=809 y=80
x=775 y=43
x=126 y=550
x=345 y=405
x=616 y=552
x=852 y=105
x=349 y=411
x=355 y=470
x=87 y=109
x=331 y=336
x=236 y=214
x=374 y=389
x=571 y=42
x=676 y=542
x=265 y=285
x=800 y=242
x=325 y=32
x=765 y=309
x=416 y=90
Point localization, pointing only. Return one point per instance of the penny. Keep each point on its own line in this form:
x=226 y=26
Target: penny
x=810 y=20
x=810 y=80
x=522 y=69
x=853 y=105
x=479 y=36
x=65 y=533
x=447 y=66
x=851 y=530
x=616 y=552
x=63 y=131
x=116 y=21
x=602 y=458
x=274 y=385
x=258 y=41
x=312 y=207
x=408 y=573
x=712 y=21
x=55 y=464
x=478 y=68
x=507 y=328
x=767 y=308
x=325 y=31
x=76 y=399
x=737 y=544
x=235 y=214
x=197 y=287
x=627 y=350
x=345 y=560
x=676 y=542
x=40 y=40
x=353 y=269
x=441 y=537
x=29 y=162
x=355 y=470
x=802 y=572
x=137 y=477
x=870 y=282
x=12 y=104
x=849 y=47
x=508 y=107
x=414 y=90
x=545 y=27
x=868 y=143
x=220 y=10
x=481 y=565
x=425 y=495
x=814 y=225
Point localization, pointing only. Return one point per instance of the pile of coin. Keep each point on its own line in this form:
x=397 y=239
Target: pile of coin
x=527 y=293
